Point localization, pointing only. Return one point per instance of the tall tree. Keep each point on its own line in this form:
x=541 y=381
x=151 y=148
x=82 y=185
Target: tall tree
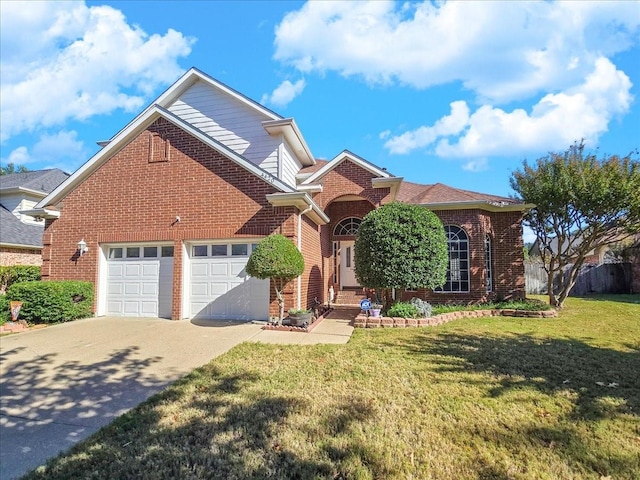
x=581 y=202
x=277 y=258
x=401 y=246
x=12 y=168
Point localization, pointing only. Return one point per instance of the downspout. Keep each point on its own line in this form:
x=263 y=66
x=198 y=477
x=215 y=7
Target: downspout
x=300 y=214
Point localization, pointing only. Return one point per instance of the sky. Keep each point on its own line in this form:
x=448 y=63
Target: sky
x=453 y=92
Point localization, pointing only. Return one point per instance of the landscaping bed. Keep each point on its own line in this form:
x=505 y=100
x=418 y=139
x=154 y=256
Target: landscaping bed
x=365 y=321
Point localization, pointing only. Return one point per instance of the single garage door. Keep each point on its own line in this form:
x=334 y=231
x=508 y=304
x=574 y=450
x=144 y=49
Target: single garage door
x=219 y=287
x=140 y=281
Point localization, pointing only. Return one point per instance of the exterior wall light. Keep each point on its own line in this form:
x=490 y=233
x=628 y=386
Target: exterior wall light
x=82 y=247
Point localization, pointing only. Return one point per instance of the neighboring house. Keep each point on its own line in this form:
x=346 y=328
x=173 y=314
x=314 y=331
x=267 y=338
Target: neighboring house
x=597 y=256
x=172 y=206
x=21 y=234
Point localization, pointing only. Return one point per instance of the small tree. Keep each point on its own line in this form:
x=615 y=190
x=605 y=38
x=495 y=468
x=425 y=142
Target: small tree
x=581 y=203
x=277 y=258
x=401 y=246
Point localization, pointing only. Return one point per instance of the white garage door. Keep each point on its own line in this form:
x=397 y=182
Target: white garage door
x=140 y=281
x=219 y=287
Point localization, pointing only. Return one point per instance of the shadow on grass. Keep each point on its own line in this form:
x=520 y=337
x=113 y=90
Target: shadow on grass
x=547 y=365
x=208 y=425
x=603 y=384
x=620 y=298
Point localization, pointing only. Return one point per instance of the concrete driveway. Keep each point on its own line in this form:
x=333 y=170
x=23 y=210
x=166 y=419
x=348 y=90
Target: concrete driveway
x=60 y=384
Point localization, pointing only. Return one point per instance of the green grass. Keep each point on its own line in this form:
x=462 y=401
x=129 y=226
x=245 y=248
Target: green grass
x=485 y=398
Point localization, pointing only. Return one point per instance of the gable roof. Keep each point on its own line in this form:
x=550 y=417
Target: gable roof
x=343 y=156
x=275 y=123
x=37 y=181
x=18 y=234
x=140 y=123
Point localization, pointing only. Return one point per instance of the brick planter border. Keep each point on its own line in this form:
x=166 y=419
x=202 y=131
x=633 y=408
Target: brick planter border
x=292 y=328
x=362 y=321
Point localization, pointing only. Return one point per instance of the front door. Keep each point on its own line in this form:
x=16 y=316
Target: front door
x=347 y=265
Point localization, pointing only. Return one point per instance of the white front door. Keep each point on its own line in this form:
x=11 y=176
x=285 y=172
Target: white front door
x=347 y=265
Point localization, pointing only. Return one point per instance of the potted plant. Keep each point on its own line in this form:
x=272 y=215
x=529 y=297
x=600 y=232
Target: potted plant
x=300 y=316
x=375 y=309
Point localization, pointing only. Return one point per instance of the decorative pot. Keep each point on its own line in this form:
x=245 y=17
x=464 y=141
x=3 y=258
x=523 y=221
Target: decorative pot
x=374 y=312
x=298 y=319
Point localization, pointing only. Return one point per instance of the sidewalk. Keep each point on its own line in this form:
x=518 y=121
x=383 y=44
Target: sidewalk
x=336 y=328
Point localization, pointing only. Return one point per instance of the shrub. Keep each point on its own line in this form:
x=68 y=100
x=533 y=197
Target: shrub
x=54 y=301
x=16 y=274
x=404 y=310
x=5 y=314
x=424 y=308
x=401 y=246
x=277 y=258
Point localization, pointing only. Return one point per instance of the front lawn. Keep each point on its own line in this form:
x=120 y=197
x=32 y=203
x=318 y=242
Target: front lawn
x=483 y=398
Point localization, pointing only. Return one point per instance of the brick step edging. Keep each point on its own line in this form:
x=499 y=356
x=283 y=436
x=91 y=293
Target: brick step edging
x=362 y=321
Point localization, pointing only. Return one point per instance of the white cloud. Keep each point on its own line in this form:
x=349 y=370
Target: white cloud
x=284 y=93
x=59 y=150
x=448 y=125
x=502 y=51
x=64 y=60
x=555 y=122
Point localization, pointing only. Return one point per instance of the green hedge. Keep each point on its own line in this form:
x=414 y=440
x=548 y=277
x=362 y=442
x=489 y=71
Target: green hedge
x=16 y=274
x=53 y=301
x=5 y=314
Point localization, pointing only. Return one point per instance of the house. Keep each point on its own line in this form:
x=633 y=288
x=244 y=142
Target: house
x=21 y=234
x=164 y=217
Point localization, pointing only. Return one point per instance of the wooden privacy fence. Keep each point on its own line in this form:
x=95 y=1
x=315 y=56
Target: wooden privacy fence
x=605 y=278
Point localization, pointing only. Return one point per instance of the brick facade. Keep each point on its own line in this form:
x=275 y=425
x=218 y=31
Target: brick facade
x=20 y=256
x=163 y=173
x=132 y=199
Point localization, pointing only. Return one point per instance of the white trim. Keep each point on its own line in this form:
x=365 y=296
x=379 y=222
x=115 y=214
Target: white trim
x=38 y=213
x=133 y=129
x=22 y=246
x=487 y=205
x=341 y=157
x=301 y=201
x=288 y=128
x=310 y=188
x=35 y=193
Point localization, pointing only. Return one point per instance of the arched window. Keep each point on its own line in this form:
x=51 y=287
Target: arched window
x=458 y=271
x=488 y=262
x=347 y=226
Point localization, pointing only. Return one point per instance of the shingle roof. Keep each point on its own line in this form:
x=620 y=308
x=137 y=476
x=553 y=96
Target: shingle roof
x=41 y=180
x=314 y=168
x=440 y=193
x=15 y=232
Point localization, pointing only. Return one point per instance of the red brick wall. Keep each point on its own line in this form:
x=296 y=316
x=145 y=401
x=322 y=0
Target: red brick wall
x=129 y=199
x=505 y=230
x=312 y=279
x=20 y=256
x=350 y=179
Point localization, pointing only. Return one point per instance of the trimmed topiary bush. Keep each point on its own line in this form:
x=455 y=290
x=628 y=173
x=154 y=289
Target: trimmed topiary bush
x=53 y=301
x=401 y=246
x=277 y=258
x=16 y=274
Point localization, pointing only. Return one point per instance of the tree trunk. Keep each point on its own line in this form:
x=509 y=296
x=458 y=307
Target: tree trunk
x=279 y=287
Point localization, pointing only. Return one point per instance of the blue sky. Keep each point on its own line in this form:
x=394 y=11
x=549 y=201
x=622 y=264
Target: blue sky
x=457 y=92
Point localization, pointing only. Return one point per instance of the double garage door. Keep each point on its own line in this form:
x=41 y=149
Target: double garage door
x=140 y=282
